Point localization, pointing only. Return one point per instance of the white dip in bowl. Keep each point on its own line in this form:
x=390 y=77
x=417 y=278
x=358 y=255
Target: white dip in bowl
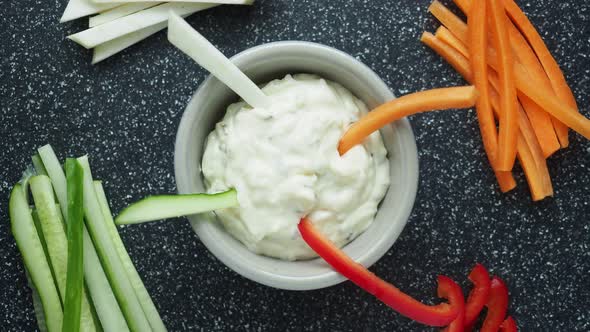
x=284 y=163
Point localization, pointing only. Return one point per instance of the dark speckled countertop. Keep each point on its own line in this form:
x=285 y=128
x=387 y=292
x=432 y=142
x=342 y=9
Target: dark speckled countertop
x=124 y=112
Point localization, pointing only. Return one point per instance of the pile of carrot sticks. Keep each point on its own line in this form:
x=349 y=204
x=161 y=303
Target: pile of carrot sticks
x=525 y=106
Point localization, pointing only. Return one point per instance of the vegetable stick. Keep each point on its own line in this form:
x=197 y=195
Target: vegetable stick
x=105 y=303
x=508 y=131
x=111 y=262
x=112 y=47
x=193 y=44
x=435 y=99
x=551 y=67
x=449 y=20
x=118 y=12
x=461 y=64
x=80 y=8
x=28 y=243
x=57 y=244
x=134 y=22
x=221 y=2
x=449 y=38
x=142 y=294
x=479 y=67
x=75 y=228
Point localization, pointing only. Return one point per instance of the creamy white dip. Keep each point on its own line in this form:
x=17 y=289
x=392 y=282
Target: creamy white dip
x=284 y=163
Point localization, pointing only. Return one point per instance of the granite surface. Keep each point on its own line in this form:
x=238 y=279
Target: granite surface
x=124 y=113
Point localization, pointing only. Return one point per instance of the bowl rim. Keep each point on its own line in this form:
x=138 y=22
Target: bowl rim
x=330 y=277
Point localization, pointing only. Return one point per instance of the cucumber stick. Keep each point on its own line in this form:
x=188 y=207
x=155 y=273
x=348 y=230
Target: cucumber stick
x=112 y=264
x=103 y=298
x=143 y=296
x=74 y=293
x=169 y=206
x=56 y=241
x=37 y=305
x=38 y=165
x=28 y=243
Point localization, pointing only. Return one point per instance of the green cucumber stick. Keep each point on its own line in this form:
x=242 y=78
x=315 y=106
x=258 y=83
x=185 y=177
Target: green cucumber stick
x=103 y=298
x=38 y=165
x=57 y=243
x=75 y=230
x=111 y=262
x=28 y=243
x=143 y=296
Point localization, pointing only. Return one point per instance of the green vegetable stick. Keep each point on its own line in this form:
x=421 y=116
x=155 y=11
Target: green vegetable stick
x=75 y=231
x=38 y=165
x=142 y=294
x=103 y=298
x=28 y=243
x=111 y=262
x=57 y=243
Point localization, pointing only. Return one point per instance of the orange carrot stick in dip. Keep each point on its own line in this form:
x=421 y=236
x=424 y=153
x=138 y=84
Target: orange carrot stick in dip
x=435 y=99
x=551 y=67
x=508 y=119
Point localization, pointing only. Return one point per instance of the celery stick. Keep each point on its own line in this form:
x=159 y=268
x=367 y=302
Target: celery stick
x=122 y=26
x=169 y=206
x=28 y=243
x=103 y=298
x=75 y=268
x=111 y=262
x=57 y=243
x=142 y=294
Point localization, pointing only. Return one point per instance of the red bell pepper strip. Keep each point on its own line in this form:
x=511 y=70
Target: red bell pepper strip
x=448 y=289
x=438 y=315
x=509 y=325
x=478 y=297
x=497 y=306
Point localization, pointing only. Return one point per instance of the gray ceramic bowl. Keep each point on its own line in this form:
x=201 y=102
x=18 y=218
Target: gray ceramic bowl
x=262 y=64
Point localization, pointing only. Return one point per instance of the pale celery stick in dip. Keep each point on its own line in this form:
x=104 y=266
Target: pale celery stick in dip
x=283 y=162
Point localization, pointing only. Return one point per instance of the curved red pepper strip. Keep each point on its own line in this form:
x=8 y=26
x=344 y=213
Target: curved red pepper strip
x=449 y=289
x=438 y=315
x=509 y=325
x=478 y=297
x=497 y=306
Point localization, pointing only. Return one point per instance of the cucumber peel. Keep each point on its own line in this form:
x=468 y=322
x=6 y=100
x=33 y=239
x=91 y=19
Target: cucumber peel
x=28 y=243
x=169 y=206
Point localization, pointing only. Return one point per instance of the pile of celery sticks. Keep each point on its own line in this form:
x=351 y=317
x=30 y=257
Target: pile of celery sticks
x=80 y=273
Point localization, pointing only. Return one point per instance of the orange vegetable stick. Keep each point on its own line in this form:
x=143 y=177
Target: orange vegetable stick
x=449 y=20
x=551 y=67
x=435 y=99
x=449 y=38
x=479 y=67
x=461 y=64
x=508 y=101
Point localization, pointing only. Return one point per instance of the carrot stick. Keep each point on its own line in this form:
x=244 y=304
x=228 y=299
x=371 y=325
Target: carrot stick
x=449 y=38
x=508 y=100
x=464 y=5
x=551 y=67
x=540 y=120
x=435 y=99
x=449 y=20
x=479 y=67
x=461 y=64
